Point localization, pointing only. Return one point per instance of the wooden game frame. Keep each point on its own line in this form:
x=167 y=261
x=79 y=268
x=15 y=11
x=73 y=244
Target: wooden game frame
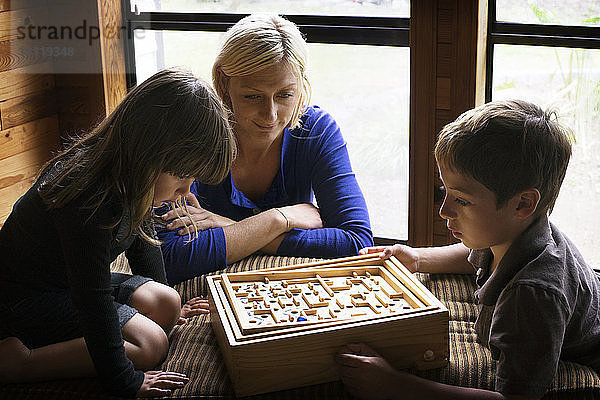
x=298 y=354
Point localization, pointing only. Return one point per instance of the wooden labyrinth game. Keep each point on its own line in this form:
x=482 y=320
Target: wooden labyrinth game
x=280 y=328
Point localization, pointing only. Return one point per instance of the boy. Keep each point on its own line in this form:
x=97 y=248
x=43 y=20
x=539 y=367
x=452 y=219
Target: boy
x=502 y=165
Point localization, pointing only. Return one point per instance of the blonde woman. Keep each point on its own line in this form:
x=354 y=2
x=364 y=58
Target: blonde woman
x=62 y=313
x=287 y=151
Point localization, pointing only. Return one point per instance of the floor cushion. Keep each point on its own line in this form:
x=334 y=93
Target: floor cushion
x=195 y=351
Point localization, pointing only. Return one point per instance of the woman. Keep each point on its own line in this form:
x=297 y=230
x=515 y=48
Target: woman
x=286 y=151
x=63 y=315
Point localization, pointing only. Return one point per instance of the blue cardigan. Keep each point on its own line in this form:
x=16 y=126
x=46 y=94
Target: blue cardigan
x=314 y=158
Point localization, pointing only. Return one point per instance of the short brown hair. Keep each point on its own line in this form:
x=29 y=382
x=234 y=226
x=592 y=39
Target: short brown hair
x=508 y=146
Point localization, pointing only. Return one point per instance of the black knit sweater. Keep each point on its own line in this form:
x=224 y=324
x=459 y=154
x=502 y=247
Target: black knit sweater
x=66 y=250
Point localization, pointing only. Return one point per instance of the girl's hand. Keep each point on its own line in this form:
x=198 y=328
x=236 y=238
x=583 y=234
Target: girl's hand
x=204 y=219
x=408 y=256
x=303 y=216
x=366 y=374
x=161 y=383
x=195 y=306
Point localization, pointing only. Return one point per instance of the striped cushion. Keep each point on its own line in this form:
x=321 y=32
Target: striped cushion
x=195 y=352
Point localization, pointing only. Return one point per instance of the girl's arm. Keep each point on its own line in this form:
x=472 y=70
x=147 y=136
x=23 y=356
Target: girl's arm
x=146 y=259
x=86 y=250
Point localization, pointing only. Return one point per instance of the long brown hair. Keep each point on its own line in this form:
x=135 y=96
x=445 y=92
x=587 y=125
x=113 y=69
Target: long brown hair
x=171 y=123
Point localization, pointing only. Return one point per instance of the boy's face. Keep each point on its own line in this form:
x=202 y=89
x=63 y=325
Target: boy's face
x=469 y=209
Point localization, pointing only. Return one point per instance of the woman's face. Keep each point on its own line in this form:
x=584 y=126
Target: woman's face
x=263 y=103
x=169 y=188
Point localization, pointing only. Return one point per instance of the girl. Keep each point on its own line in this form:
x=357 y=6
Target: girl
x=62 y=312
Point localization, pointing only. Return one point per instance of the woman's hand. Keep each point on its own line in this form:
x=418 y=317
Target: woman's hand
x=408 y=256
x=161 y=383
x=302 y=216
x=204 y=219
x=366 y=374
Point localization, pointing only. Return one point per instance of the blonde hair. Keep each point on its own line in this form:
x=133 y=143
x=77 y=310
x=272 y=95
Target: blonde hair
x=260 y=41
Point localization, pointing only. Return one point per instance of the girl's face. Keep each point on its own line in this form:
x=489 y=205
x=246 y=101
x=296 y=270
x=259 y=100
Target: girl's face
x=263 y=103
x=169 y=188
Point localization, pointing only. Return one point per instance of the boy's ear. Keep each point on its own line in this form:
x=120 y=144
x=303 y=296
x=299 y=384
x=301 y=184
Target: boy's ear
x=527 y=203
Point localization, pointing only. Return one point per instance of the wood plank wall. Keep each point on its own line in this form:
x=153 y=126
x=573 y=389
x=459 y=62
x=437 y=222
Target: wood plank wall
x=43 y=95
x=444 y=82
x=28 y=113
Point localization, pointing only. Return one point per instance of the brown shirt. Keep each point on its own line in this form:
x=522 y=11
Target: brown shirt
x=541 y=303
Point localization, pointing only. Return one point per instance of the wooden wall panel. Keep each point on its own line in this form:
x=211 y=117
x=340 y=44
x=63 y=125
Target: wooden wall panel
x=443 y=93
x=457 y=21
x=6 y=5
x=9 y=195
x=113 y=54
x=25 y=165
x=26 y=80
x=28 y=111
x=14 y=55
x=23 y=109
x=14 y=24
x=444 y=45
x=18 y=172
x=422 y=90
x=43 y=97
x=79 y=82
x=32 y=134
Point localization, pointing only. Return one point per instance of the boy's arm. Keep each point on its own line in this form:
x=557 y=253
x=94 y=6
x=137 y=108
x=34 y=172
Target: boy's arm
x=450 y=259
x=367 y=375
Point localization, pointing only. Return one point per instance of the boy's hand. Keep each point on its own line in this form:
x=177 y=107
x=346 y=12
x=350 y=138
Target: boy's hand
x=408 y=256
x=366 y=374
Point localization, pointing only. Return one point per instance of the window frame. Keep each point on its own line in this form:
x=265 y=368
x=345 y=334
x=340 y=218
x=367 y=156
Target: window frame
x=502 y=32
x=355 y=30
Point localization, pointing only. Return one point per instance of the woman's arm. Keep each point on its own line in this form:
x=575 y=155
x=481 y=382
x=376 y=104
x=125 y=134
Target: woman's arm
x=216 y=247
x=220 y=240
x=264 y=229
x=323 y=156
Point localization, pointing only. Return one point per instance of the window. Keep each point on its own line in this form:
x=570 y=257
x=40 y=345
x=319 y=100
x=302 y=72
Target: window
x=358 y=67
x=548 y=52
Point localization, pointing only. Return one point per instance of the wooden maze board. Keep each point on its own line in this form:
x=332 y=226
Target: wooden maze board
x=270 y=301
x=279 y=328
